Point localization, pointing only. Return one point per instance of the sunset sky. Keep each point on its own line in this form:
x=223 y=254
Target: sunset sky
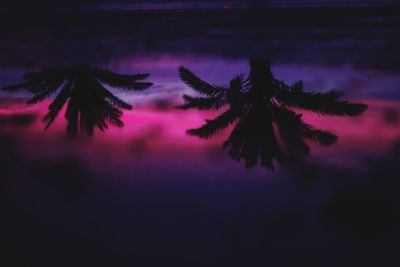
x=146 y=193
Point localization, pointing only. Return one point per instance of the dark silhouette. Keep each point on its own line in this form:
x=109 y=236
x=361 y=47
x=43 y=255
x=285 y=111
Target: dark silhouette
x=259 y=108
x=90 y=104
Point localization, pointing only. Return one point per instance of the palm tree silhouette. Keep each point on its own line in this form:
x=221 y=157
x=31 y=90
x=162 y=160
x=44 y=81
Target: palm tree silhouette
x=90 y=104
x=259 y=109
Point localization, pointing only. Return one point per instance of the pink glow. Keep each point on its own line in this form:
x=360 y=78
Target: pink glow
x=154 y=140
x=166 y=129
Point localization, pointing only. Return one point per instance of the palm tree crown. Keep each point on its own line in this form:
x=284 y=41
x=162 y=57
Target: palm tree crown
x=90 y=104
x=259 y=107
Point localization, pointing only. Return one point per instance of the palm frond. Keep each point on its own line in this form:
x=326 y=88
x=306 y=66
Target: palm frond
x=298 y=86
x=124 y=81
x=323 y=138
x=16 y=87
x=323 y=103
x=135 y=86
x=236 y=84
x=72 y=116
x=212 y=127
x=57 y=104
x=112 y=98
x=293 y=141
x=291 y=130
x=260 y=106
x=259 y=67
x=87 y=120
x=242 y=146
x=253 y=139
x=109 y=75
x=39 y=97
x=89 y=104
x=260 y=75
x=201 y=103
x=47 y=90
x=193 y=81
x=113 y=117
x=236 y=92
x=46 y=75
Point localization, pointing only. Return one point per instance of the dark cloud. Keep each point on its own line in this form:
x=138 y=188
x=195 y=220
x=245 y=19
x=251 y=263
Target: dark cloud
x=64 y=176
x=391 y=116
x=141 y=145
x=163 y=104
x=17 y=120
x=303 y=36
x=11 y=102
